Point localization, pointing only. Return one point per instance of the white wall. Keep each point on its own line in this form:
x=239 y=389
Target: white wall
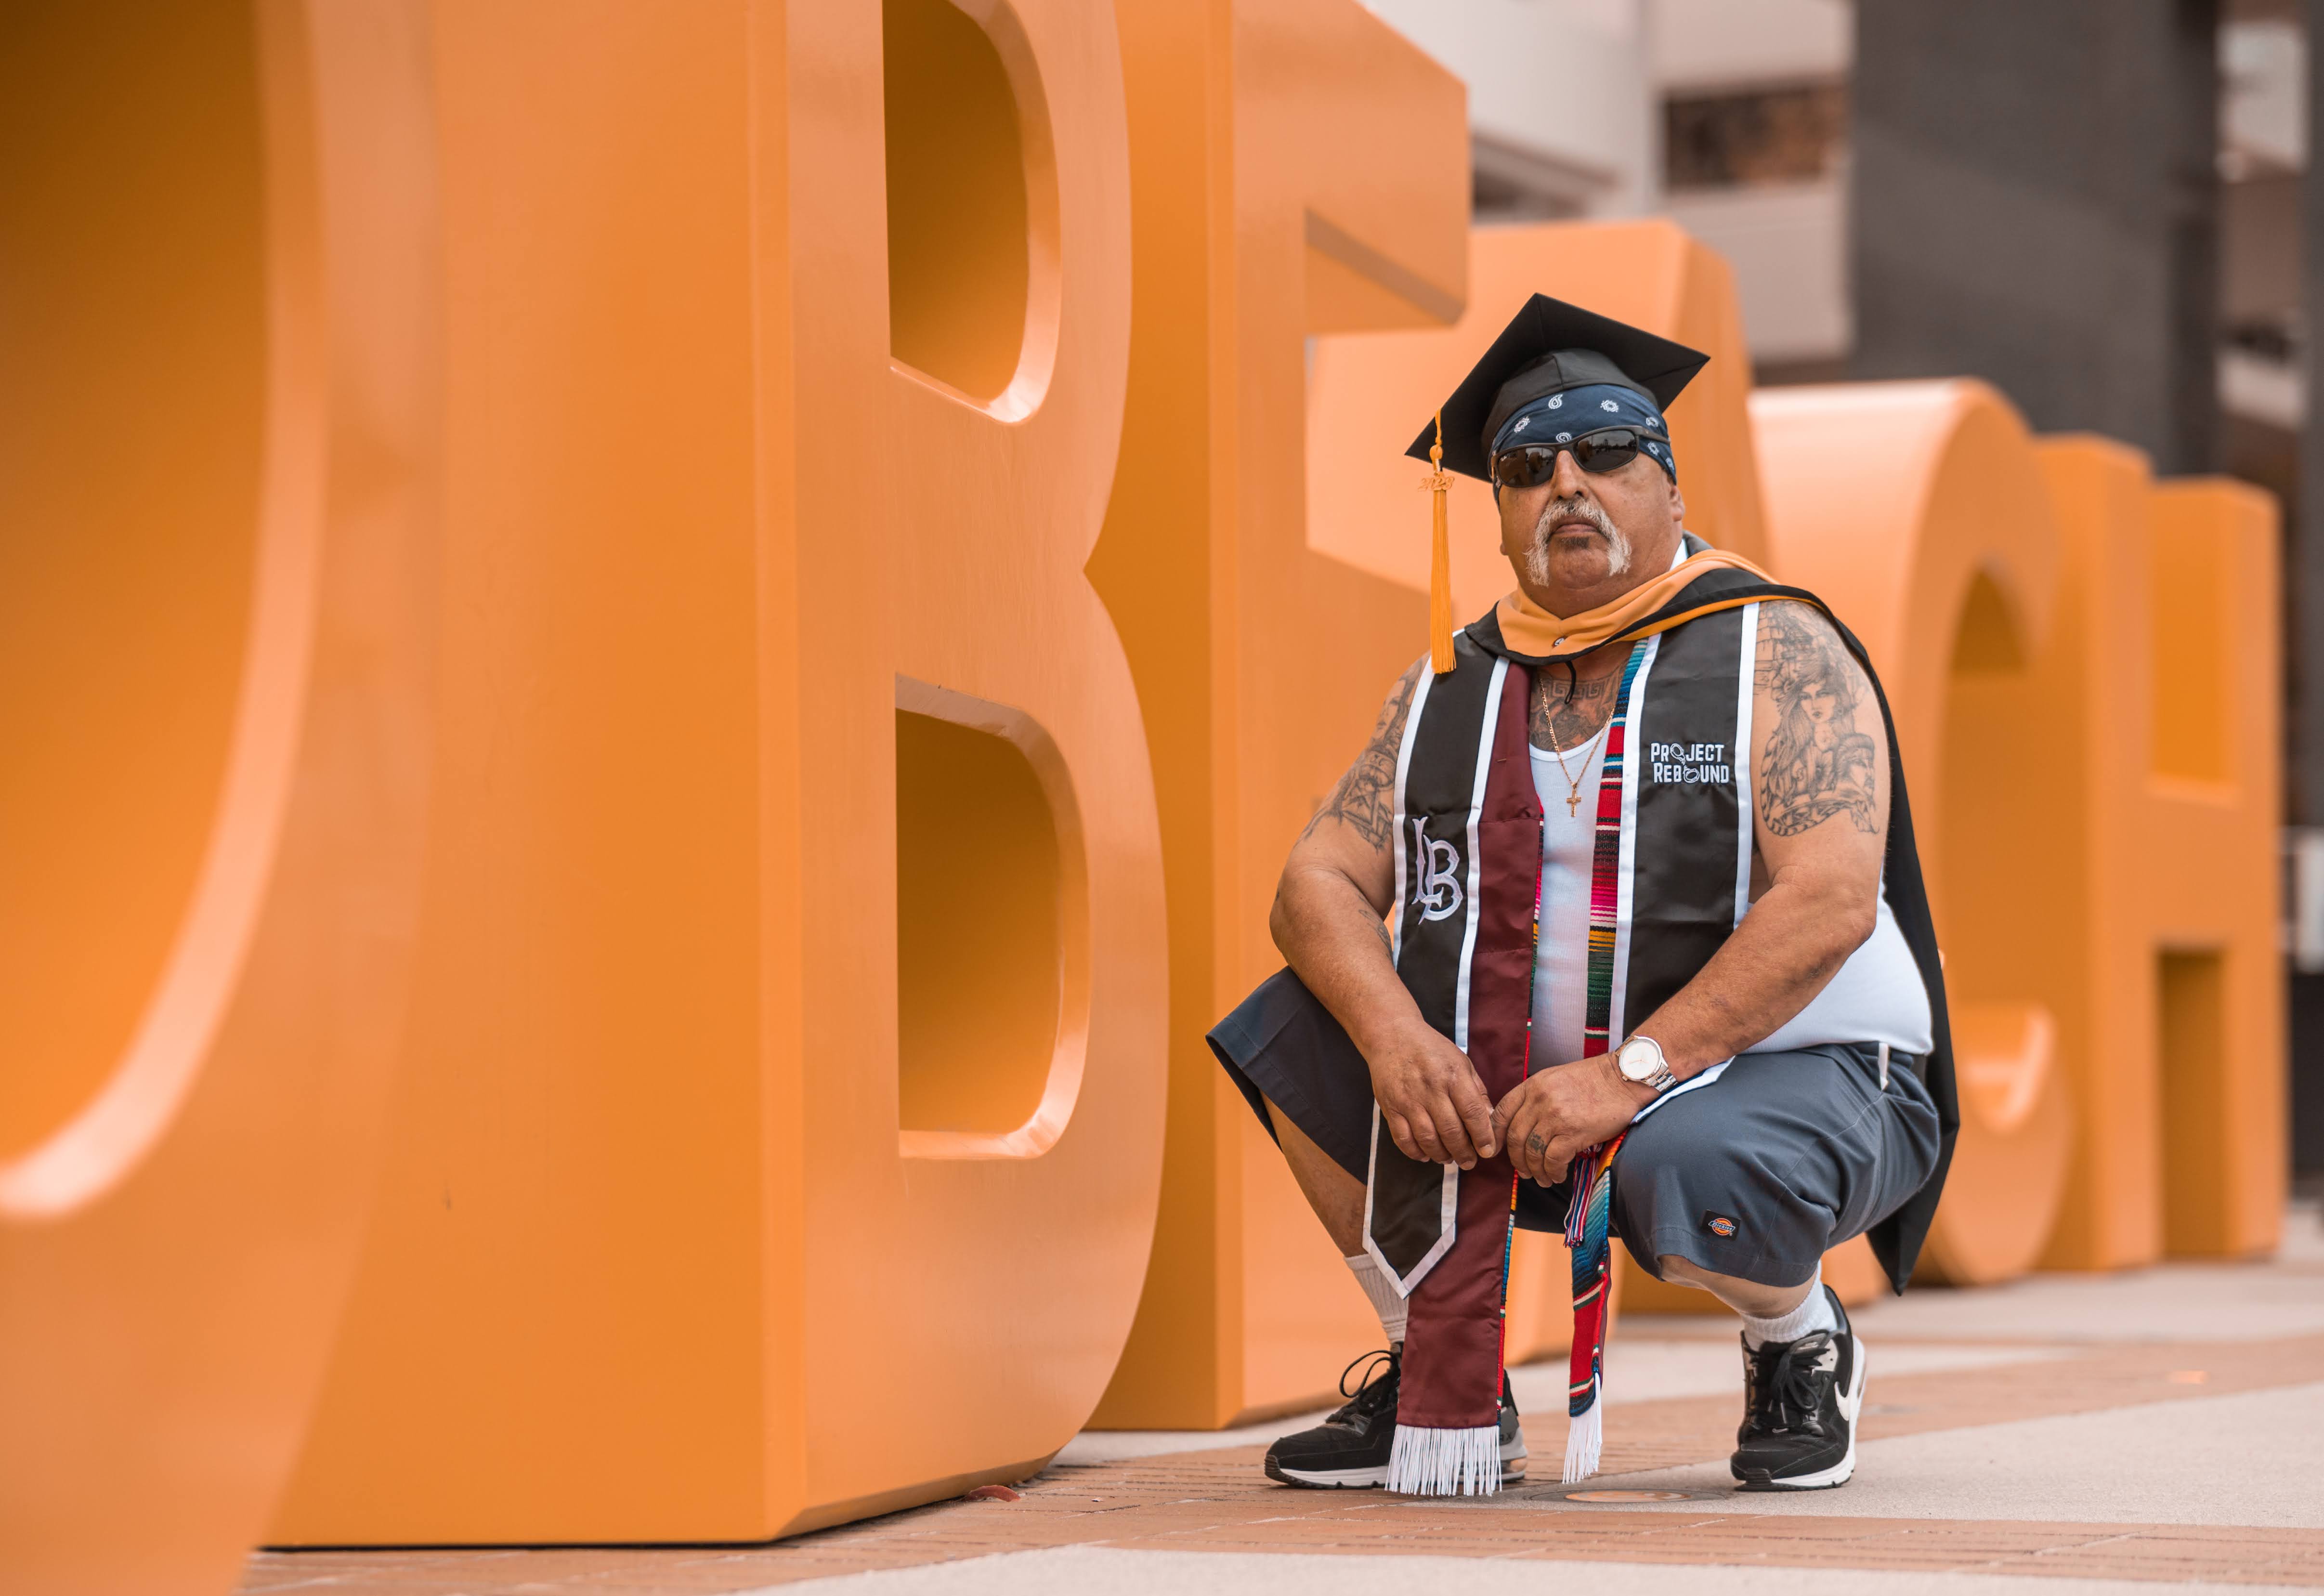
x=2264 y=110
x=1566 y=79
x=1699 y=46
x=1788 y=244
x=1581 y=83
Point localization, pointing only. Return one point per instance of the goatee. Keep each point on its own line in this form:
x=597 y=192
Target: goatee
x=1618 y=547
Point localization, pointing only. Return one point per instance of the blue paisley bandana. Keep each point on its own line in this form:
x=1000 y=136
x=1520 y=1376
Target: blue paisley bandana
x=1562 y=416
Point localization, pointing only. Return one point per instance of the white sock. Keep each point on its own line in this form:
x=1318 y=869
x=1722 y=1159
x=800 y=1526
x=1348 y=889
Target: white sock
x=1814 y=1313
x=1386 y=1303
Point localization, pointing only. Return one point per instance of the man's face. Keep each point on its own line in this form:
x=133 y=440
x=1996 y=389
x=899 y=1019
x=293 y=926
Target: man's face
x=1583 y=539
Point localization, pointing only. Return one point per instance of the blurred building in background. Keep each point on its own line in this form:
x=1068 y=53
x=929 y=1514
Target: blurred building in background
x=2099 y=209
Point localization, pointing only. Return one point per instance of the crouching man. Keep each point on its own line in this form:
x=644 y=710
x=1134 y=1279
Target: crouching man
x=1615 y=927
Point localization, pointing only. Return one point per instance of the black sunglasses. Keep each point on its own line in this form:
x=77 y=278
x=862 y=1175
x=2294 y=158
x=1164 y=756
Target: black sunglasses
x=1529 y=465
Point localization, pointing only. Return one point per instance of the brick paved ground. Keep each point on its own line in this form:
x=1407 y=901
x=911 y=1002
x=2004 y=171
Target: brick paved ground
x=2192 y=1457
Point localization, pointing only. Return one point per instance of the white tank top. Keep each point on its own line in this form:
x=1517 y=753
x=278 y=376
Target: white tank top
x=1876 y=996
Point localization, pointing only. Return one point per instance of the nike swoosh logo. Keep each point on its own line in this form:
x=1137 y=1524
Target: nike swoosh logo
x=1850 y=1404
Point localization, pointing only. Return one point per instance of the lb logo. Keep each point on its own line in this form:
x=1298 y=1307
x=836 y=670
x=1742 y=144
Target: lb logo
x=1435 y=875
x=1719 y=1226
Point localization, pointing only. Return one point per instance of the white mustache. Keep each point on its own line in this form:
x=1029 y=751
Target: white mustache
x=1618 y=547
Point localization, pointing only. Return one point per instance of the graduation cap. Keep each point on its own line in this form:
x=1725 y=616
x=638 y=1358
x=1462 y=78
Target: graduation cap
x=1547 y=348
x=1550 y=345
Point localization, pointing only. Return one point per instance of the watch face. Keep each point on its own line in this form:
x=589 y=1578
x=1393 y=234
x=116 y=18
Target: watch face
x=1637 y=1062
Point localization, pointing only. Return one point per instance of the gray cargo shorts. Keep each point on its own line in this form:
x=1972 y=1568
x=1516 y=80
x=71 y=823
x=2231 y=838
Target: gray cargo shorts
x=1756 y=1174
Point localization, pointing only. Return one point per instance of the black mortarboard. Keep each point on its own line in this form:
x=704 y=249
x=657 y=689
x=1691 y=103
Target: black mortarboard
x=1547 y=346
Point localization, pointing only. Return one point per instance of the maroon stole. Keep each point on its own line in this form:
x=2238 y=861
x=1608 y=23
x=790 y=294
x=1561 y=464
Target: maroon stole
x=1468 y=858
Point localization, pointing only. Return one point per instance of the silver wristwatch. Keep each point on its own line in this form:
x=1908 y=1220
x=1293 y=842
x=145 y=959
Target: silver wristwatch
x=1640 y=1059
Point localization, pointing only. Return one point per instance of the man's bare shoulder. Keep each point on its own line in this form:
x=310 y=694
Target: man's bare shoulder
x=1796 y=639
x=1364 y=801
x=1798 y=617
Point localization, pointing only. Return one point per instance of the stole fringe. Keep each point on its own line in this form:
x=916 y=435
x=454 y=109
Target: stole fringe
x=1585 y=1436
x=1425 y=1462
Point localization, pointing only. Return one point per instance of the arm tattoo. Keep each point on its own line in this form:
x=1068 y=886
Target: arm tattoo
x=1817 y=764
x=1365 y=798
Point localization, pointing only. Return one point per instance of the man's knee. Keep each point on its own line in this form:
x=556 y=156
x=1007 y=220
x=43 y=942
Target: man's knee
x=1679 y=1271
x=1695 y=1187
x=1744 y=1296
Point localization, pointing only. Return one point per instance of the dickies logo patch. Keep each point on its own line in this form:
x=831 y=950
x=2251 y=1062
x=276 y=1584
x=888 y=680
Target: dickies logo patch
x=1719 y=1226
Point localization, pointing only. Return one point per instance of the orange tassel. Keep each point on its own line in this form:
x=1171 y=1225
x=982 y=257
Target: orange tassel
x=1440 y=563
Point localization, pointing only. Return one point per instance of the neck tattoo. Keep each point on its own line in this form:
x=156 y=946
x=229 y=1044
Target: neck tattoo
x=1562 y=716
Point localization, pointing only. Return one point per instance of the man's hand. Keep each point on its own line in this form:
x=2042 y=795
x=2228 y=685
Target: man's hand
x=1429 y=1094
x=1555 y=1113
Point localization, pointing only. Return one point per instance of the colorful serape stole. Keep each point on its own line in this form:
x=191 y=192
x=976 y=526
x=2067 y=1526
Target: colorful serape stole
x=1589 y=1222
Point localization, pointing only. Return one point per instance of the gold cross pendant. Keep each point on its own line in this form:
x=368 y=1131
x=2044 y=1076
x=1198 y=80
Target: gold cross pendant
x=1572 y=802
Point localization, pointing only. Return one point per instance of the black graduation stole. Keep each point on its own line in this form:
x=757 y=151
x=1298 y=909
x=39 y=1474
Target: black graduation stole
x=1467 y=866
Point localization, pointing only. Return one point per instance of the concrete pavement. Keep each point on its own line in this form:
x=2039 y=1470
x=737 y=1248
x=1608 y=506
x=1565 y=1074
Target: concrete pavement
x=2165 y=1426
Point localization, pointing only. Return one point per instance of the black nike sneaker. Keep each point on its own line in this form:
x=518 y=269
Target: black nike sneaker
x=1350 y=1450
x=1800 y=1402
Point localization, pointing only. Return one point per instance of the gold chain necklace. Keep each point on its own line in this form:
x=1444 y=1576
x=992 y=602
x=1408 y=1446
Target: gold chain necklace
x=1588 y=751
x=1573 y=782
